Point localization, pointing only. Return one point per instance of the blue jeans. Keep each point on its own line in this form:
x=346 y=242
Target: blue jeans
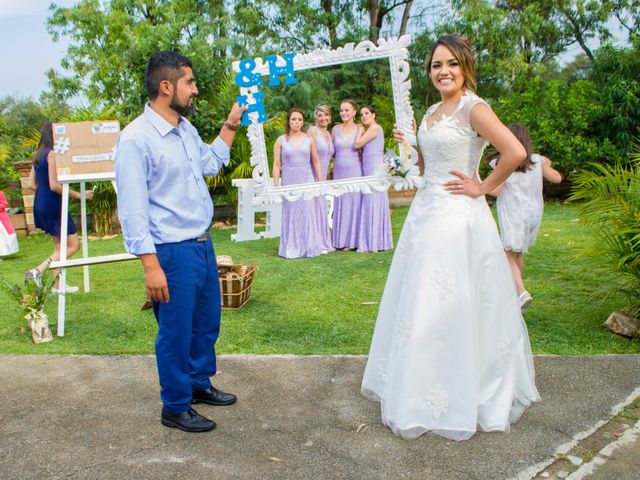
x=189 y=324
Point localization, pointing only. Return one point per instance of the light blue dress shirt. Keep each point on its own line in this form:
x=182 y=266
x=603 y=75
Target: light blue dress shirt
x=162 y=195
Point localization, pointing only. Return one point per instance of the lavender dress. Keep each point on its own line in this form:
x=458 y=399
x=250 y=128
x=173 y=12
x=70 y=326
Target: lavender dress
x=300 y=236
x=374 y=226
x=325 y=152
x=346 y=208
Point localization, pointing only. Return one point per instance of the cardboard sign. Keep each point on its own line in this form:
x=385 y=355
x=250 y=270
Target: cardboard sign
x=85 y=147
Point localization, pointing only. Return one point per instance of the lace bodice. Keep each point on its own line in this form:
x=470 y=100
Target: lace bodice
x=451 y=143
x=296 y=161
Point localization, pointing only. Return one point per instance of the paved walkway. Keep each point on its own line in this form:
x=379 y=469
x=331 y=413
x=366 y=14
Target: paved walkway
x=84 y=417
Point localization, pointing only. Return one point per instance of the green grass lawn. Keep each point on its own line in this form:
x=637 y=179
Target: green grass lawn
x=316 y=306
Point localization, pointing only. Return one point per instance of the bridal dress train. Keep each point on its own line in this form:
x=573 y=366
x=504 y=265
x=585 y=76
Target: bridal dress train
x=450 y=352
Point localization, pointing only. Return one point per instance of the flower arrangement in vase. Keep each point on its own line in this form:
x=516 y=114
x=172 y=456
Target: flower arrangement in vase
x=31 y=296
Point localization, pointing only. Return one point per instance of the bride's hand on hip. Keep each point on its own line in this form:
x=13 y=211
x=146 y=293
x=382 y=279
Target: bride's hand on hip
x=463 y=185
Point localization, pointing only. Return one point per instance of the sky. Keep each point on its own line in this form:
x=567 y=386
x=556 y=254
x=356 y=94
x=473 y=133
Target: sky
x=26 y=46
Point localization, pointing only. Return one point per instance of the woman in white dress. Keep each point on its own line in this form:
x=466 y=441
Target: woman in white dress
x=450 y=351
x=520 y=206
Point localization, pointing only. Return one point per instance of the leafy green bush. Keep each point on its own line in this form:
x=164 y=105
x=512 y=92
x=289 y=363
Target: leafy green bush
x=610 y=196
x=615 y=72
x=559 y=116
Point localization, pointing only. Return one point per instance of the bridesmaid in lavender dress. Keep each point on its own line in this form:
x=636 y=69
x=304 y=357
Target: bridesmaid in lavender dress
x=374 y=226
x=294 y=155
x=320 y=133
x=346 y=208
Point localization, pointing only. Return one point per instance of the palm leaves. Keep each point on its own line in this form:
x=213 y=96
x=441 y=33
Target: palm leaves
x=610 y=196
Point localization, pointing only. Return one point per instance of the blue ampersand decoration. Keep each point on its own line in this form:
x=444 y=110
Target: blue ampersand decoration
x=287 y=69
x=258 y=106
x=246 y=77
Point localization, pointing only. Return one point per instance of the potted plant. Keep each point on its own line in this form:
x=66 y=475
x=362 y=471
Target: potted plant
x=32 y=295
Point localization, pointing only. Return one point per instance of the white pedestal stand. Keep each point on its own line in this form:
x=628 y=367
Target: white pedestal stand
x=247 y=214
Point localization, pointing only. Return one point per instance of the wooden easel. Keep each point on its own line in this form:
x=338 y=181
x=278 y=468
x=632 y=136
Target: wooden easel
x=84 y=153
x=85 y=261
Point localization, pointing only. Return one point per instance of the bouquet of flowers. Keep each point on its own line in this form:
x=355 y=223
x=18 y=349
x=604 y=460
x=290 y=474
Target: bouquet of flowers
x=394 y=165
x=397 y=165
x=400 y=171
x=31 y=296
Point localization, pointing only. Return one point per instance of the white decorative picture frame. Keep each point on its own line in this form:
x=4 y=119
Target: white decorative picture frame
x=393 y=49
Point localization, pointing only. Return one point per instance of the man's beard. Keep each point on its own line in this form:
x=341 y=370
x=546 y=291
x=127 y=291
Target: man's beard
x=184 y=110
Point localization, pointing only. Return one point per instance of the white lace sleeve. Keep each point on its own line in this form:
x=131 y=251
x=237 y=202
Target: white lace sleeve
x=469 y=100
x=430 y=111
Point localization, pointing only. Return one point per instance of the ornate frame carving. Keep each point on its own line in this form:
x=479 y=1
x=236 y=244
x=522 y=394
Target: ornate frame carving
x=393 y=49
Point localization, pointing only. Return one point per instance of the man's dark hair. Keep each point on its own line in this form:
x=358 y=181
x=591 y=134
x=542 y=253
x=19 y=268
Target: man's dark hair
x=165 y=65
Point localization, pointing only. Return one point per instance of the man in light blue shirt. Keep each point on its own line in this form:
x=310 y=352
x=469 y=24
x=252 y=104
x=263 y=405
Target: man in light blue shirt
x=165 y=211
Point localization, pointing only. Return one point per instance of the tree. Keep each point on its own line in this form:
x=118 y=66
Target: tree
x=584 y=19
x=112 y=41
x=559 y=115
x=20 y=122
x=615 y=73
x=379 y=10
x=627 y=12
x=513 y=37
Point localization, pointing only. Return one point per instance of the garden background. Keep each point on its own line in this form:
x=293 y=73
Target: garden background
x=583 y=114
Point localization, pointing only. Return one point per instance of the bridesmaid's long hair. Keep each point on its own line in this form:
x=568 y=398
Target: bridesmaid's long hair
x=462 y=52
x=46 y=142
x=521 y=132
x=289 y=113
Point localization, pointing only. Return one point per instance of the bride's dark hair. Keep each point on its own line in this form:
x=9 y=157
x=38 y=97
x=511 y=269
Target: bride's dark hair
x=462 y=51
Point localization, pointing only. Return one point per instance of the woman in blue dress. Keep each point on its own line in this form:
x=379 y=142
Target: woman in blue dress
x=47 y=205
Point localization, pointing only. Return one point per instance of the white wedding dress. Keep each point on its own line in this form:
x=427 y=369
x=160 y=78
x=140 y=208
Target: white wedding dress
x=450 y=351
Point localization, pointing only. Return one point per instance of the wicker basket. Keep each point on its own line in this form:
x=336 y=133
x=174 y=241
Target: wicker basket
x=235 y=285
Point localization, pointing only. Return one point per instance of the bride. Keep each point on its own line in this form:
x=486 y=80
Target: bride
x=450 y=351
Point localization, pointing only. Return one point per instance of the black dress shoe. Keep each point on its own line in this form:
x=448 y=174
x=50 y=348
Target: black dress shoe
x=189 y=421
x=212 y=396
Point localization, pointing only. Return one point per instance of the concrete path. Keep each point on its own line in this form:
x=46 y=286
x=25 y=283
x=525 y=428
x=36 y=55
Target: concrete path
x=86 y=417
